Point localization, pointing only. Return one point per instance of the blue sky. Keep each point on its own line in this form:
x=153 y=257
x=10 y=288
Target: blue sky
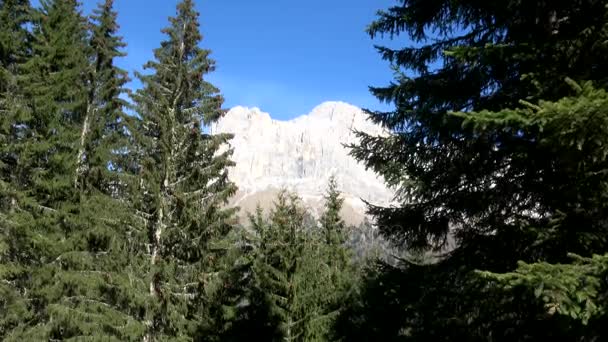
x=284 y=57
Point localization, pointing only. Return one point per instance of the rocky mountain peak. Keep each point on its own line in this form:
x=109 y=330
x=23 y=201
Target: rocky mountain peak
x=300 y=155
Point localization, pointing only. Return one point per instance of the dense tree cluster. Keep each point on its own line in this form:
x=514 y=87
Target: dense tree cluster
x=116 y=226
x=499 y=142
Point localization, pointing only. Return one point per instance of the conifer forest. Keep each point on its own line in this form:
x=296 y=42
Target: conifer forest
x=115 y=215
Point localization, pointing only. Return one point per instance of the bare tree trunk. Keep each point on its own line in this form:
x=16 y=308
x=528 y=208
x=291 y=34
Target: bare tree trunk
x=80 y=165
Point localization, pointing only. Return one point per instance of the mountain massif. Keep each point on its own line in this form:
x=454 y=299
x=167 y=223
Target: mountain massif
x=301 y=155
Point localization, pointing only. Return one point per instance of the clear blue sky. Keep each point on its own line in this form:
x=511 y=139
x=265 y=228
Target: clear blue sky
x=282 y=56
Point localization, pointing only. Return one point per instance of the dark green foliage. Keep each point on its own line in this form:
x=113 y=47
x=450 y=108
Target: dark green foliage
x=289 y=282
x=14 y=49
x=183 y=178
x=331 y=222
x=282 y=253
x=55 y=81
x=491 y=56
x=43 y=209
x=115 y=227
x=572 y=134
x=342 y=279
x=517 y=175
x=577 y=290
x=88 y=248
x=239 y=307
x=73 y=256
x=15 y=43
x=103 y=136
x=255 y=298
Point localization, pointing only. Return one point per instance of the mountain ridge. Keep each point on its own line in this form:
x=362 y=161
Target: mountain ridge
x=300 y=155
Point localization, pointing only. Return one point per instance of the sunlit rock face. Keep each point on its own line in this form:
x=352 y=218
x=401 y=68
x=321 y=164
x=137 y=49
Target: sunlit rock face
x=301 y=155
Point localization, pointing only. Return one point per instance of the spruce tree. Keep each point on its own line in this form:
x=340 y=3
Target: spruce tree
x=498 y=191
x=271 y=291
x=334 y=228
x=342 y=277
x=56 y=82
x=103 y=137
x=14 y=51
x=571 y=292
x=491 y=64
x=74 y=255
x=52 y=81
x=572 y=134
x=183 y=178
x=331 y=222
x=239 y=307
x=279 y=267
x=283 y=287
x=15 y=42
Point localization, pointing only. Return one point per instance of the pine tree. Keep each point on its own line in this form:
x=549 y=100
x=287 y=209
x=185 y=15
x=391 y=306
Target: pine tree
x=183 y=178
x=498 y=191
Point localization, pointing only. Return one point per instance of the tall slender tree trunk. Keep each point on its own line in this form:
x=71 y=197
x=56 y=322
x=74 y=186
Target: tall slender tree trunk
x=80 y=163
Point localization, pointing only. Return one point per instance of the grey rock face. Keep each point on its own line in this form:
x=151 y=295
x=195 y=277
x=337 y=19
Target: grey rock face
x=300 y=155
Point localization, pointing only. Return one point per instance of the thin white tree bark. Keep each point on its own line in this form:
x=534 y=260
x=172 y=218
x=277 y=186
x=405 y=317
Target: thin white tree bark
x=80 y=165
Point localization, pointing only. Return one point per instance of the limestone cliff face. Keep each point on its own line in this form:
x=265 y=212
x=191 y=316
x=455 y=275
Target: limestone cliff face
x=300 y=155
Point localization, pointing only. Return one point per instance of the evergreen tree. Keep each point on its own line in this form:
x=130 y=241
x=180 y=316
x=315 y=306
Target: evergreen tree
x=331 y=221
x=497 y=191
x=56 y=82
x=183 y=179
x=14 y=50
x=73 y=257
x=334 y=231
x=279 y=267
x=492 y=64
x=284 y=288
x=342 y=279
x=52 y=82
x=15 y=43
x=575 y=290
x=240 y=308
x=572 y=133
x=103 y=138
